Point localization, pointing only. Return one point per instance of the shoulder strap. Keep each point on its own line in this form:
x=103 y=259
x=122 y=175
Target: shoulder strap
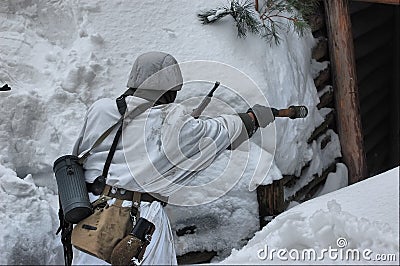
x=99 y=141
x=135 y=112
x=111 y=152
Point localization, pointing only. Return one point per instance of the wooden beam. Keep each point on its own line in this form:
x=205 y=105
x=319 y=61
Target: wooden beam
x=316 y=20
x=389 y=2
x=323 y=78
x=271 y=201
x=301 y=193
x=325 y=100
x=322 y=128
x=196 y=257
x=321 y=49
x=345 y=86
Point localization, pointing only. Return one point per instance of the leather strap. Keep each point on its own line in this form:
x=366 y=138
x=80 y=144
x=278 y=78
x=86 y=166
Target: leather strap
x=135 y=112
x=99 y=141
x=111 y=152
x=128 y=195
x=135 y=209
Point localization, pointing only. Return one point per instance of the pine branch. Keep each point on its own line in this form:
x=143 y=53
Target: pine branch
x=213 y=15
x=245 y=17
x=243 y=13
x=294 y=11
x=268 y=23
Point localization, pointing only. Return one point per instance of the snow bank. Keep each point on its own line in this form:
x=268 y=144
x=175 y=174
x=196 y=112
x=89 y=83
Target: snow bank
x=362 y=216
x=61 y=56
x=28 y=216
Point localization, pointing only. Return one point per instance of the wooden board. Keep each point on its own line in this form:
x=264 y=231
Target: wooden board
x=345 y=87
x=389 y=2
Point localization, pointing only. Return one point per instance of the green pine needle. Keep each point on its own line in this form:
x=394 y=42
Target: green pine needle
x=265 y=24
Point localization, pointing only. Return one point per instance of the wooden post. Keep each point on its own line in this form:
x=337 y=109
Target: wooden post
x=345 y=88
x=271 y=201
x=389 y=2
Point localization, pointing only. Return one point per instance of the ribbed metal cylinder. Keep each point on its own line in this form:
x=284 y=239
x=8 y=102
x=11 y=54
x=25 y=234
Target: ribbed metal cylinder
x=72 y=188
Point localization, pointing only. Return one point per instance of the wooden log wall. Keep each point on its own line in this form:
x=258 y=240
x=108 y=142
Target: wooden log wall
x=331 y=25
x=389 y=2
x=271 y=198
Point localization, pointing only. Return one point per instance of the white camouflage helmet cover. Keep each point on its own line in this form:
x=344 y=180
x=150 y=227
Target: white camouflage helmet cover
x=155 y=71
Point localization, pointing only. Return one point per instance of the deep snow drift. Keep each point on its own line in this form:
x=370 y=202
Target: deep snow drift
x=364 y=216
x=61 y=56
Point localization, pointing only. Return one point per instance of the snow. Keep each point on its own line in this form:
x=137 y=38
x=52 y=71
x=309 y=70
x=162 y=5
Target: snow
x=61 y=56
x=364 y=214
x=319 y=157
x=335 y=180
x=28 y=222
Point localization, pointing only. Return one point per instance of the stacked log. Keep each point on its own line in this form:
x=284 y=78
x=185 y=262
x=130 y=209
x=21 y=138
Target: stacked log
x=271 y=198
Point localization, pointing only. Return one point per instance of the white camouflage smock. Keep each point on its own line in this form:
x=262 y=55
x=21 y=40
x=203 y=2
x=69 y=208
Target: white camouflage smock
x=149 y=155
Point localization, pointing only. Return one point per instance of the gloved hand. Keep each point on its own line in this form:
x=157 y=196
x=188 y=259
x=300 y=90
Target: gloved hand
x=264 y=115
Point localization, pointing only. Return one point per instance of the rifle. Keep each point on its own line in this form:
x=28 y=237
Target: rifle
x=206 y=101
x=66 y=230
x=292 y=112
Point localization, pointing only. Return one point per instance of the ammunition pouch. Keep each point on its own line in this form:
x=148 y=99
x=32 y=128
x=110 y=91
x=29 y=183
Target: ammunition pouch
x=132 y=248
x=99 y=233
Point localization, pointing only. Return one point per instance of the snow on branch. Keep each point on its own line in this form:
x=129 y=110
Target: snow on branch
x=269 y=21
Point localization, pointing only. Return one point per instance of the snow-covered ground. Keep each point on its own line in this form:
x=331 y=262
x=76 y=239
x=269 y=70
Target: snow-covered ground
x=61 y=56
x=364 y=215
x=358 y=220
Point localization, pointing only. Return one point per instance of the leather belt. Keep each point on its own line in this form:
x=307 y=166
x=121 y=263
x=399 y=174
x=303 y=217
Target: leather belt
x=123 y=194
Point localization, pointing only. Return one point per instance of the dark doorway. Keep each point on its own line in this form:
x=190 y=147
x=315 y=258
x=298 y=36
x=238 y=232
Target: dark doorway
x=376 y=32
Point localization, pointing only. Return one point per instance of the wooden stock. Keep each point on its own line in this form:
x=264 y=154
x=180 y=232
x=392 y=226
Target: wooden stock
x=285 y=112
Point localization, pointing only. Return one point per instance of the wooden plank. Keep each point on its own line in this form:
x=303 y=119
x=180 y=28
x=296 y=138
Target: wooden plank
x=357 y=6
x=321 y=129
x=187 y=230
x=321 y=49
x=271 y=201
x=325 y=141
x=323 y=78
x=290 y=180
x=316 y=20
x=286 y=179
x=346 y=90
x=389 y=2
x=325 y=100
x=279 y=197
x=265 y=198
x=196 y=257
x=301 y=193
